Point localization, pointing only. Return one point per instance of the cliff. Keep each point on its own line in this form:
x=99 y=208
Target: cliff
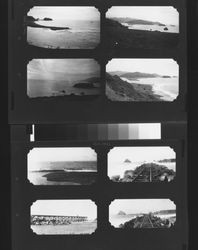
x=120 y=90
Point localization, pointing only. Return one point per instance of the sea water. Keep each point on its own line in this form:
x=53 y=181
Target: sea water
x=44 y=168
x=81 y=35
x=171 y=28
x=167 y=88
x=49 y=88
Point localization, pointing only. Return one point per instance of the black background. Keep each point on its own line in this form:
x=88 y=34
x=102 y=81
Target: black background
x=192 y=125
x=24 y=110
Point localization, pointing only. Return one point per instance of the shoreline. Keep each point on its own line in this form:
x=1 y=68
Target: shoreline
x=120 y=90
x=120 y=36
x=165 y=95
x=35 y=25
x=81 y=178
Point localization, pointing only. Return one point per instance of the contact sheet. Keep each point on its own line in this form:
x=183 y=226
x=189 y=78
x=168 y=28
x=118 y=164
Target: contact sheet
x=98 y=119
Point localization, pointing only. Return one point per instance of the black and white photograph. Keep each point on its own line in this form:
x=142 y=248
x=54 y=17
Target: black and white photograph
x=63 y=217
x=63 y=27
x=142 y=213
x=62 y=166
x=63 y=78
x=142 y=80
x=142 y=164
x=142 y=27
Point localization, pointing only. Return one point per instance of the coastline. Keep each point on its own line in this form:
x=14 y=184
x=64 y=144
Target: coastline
x=63 y=178
x=36 y=25
x=120 y=90
x=120 y=36
x=157 y=90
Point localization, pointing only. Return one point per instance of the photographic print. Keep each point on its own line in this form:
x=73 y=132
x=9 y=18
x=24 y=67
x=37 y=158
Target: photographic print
x=61 y=78
x=142 y=213
x=142 y=27
x=63 y=217
x=142 y=164
x=63 y=27
x=146 y=80
x=62 y=166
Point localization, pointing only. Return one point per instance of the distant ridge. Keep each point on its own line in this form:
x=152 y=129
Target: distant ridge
x=134 y=74
x=133 y=21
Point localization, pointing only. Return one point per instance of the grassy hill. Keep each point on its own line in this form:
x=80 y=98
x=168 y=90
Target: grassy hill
x=119 y=90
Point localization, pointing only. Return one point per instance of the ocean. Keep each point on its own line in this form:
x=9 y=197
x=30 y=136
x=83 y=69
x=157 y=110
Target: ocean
x=74 y=172
x=118 y=168
x=171 y=29
x=167 y=88
x=49 y=88
x=81 y=35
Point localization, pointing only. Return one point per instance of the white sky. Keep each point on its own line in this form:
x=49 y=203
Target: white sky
x=157 y=66
x=164 y=14
x=119 y=154
x=37 y=155
x=66 y=13
x=58 y=69
x=65 y=207
x=140 y=205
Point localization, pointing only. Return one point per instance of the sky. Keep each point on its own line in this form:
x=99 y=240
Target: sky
x=135 y=154
x=59 y=69
x=37 y=155
x=164 y=14
x=65 y=12
x=140 y=205
x=65 y=207
x=158 y=66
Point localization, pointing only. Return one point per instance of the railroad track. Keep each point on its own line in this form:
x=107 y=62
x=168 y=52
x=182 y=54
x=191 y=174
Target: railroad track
x=147 y=223
x=147 y=174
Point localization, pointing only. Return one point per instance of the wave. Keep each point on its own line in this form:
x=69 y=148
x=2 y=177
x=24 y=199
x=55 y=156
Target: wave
x=79 y=170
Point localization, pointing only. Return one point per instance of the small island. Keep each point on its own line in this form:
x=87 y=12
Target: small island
x=121 y=213
x=31 y=22
x=127 y=161
x=47 y=19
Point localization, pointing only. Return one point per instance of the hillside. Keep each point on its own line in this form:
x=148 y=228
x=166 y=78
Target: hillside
x=119 y=90
x=119 y=36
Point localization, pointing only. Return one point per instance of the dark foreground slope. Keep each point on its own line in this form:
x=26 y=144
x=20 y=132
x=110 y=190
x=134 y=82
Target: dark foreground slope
x=119 y=90
x=119 y=36
x=148 y=221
